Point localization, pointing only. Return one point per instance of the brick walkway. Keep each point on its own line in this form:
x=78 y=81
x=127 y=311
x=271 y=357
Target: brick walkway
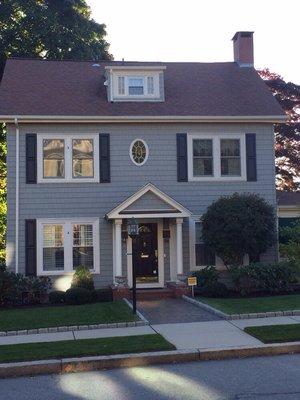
x=168 y=311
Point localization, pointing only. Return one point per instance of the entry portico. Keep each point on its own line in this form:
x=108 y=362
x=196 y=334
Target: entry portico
x=160 y=219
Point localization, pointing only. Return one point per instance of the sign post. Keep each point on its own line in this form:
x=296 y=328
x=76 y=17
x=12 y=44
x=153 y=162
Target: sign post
x=133 y=231
x=192 y=281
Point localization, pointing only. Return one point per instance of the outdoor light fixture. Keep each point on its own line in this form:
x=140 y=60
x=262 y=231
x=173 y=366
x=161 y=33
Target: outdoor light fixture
x=133 y=231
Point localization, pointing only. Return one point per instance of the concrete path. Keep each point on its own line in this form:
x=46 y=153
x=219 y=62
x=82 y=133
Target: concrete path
x=75 y=335
x=168 y=311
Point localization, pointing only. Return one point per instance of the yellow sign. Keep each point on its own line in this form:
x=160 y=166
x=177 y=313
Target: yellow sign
x=192 y=281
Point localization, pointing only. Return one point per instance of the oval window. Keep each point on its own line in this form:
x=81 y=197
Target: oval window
x=139 y=152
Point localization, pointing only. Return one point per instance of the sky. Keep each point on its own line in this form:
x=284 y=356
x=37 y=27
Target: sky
x=198 y=30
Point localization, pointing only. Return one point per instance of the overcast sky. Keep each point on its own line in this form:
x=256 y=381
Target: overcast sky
x=201 y=30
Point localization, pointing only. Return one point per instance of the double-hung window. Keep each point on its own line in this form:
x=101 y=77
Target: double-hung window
x=63 y=245
x=203 y=255
x=68 y=158
x=137 y=86
x=216 y=157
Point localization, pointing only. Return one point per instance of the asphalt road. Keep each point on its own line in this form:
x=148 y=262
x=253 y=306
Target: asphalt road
x=267 y=378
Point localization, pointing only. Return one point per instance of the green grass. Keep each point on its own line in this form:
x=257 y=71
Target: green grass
x=254 y=304
x=275 y=333
x=83 y=347
x=44 y=317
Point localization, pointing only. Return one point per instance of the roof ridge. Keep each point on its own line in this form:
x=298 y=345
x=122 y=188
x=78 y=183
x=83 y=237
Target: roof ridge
x=117 y=61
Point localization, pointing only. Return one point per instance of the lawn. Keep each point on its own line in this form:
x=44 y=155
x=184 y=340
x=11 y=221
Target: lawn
x=83 y=347
x=275 y=333
x=254 y=304
x=44 y=317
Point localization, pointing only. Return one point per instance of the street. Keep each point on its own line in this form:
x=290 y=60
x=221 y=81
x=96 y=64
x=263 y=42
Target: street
x=262 y=378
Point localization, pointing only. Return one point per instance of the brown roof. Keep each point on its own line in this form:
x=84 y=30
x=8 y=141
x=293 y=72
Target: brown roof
x=285 y=198
x=72 y=88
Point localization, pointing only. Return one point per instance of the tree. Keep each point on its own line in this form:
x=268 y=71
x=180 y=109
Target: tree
x=51 y=29
x=237 y=225
x=287 y=147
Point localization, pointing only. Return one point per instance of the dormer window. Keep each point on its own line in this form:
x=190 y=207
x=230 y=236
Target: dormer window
x=135 y=86
x=135 y=83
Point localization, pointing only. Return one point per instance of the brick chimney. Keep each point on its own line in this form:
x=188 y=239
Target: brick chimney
x=243 y=49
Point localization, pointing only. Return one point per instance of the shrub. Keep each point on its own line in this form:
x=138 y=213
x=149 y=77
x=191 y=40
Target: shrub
x=57 y=297
x=83 y=278
x=102 y=295
x=290 y=248
x=237 y=225
x=18 y=289
x=206 y=276
x=78 y=296
x=215 y=289
x=266 y=277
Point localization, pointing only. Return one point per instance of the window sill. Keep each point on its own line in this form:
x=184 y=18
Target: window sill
x=217 y=179
x=63 y=273
x=82 y=180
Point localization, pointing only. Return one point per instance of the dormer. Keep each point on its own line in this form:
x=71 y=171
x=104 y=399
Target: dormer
x=135 y=83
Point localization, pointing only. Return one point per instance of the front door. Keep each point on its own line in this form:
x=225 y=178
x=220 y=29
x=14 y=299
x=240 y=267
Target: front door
x=145 y=254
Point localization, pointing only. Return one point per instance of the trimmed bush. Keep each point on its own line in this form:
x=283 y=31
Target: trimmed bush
x=83 y=278
x=102 y=295
x=206 y=276
x=237 y=225
x=57 y=297
x=78 y=296
x=270 y=278
x=215 y=289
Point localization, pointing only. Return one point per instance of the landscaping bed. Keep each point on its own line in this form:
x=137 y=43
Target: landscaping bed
x=66 y=315
x=275 y=333
x=84 y=347
x=248 y=305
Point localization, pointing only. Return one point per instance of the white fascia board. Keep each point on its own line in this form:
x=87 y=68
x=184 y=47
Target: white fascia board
x=270 y=119
x=182 y=211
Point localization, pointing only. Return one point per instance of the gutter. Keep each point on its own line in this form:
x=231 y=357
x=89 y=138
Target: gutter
x=17 y=196
x=143 y=119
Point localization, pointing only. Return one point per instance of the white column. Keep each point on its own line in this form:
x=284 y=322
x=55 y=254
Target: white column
x=118 y=247
x=179 y=222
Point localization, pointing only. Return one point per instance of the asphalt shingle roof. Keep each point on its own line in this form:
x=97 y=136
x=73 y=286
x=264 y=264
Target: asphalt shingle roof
x=69 y=88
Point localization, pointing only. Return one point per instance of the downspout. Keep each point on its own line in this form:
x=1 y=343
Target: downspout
x=17 y=198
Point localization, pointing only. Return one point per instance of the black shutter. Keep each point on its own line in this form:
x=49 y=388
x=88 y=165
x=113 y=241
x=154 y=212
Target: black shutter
x=31 y=158
x=104 y=155
x=251 y=156
x=30 y=247
x=182 y=169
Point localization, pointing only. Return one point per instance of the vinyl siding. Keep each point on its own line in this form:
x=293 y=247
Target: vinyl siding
x=69 y=200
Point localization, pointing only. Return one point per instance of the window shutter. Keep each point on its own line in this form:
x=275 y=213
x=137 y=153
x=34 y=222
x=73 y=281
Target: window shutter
x=251 y=156
x=30 y=247
x=121 y=85
x=104 y=154
x=31 y=158
x=182 y=172
x=150 y=85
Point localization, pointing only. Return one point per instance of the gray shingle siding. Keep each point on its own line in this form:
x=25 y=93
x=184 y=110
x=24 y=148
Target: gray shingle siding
x=65 y=200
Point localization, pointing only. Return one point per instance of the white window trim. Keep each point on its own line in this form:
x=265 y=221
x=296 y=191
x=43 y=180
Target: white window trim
x=216 y=138
x=147 y=152
x=140 y=75
x=68 y=158
x=68 y=244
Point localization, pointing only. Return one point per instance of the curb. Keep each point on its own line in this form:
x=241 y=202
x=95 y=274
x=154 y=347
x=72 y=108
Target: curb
x=69 y=365
x=138 y=313
x=287 y=313
x=206 y=307
x=74 y=328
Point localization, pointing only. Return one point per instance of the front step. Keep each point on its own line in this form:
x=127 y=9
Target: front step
x=154 y=294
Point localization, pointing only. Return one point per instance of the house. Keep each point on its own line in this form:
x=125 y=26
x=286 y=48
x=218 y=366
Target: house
x=94 y=144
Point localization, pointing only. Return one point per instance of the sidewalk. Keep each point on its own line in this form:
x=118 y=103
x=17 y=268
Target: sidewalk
x=185 y=336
